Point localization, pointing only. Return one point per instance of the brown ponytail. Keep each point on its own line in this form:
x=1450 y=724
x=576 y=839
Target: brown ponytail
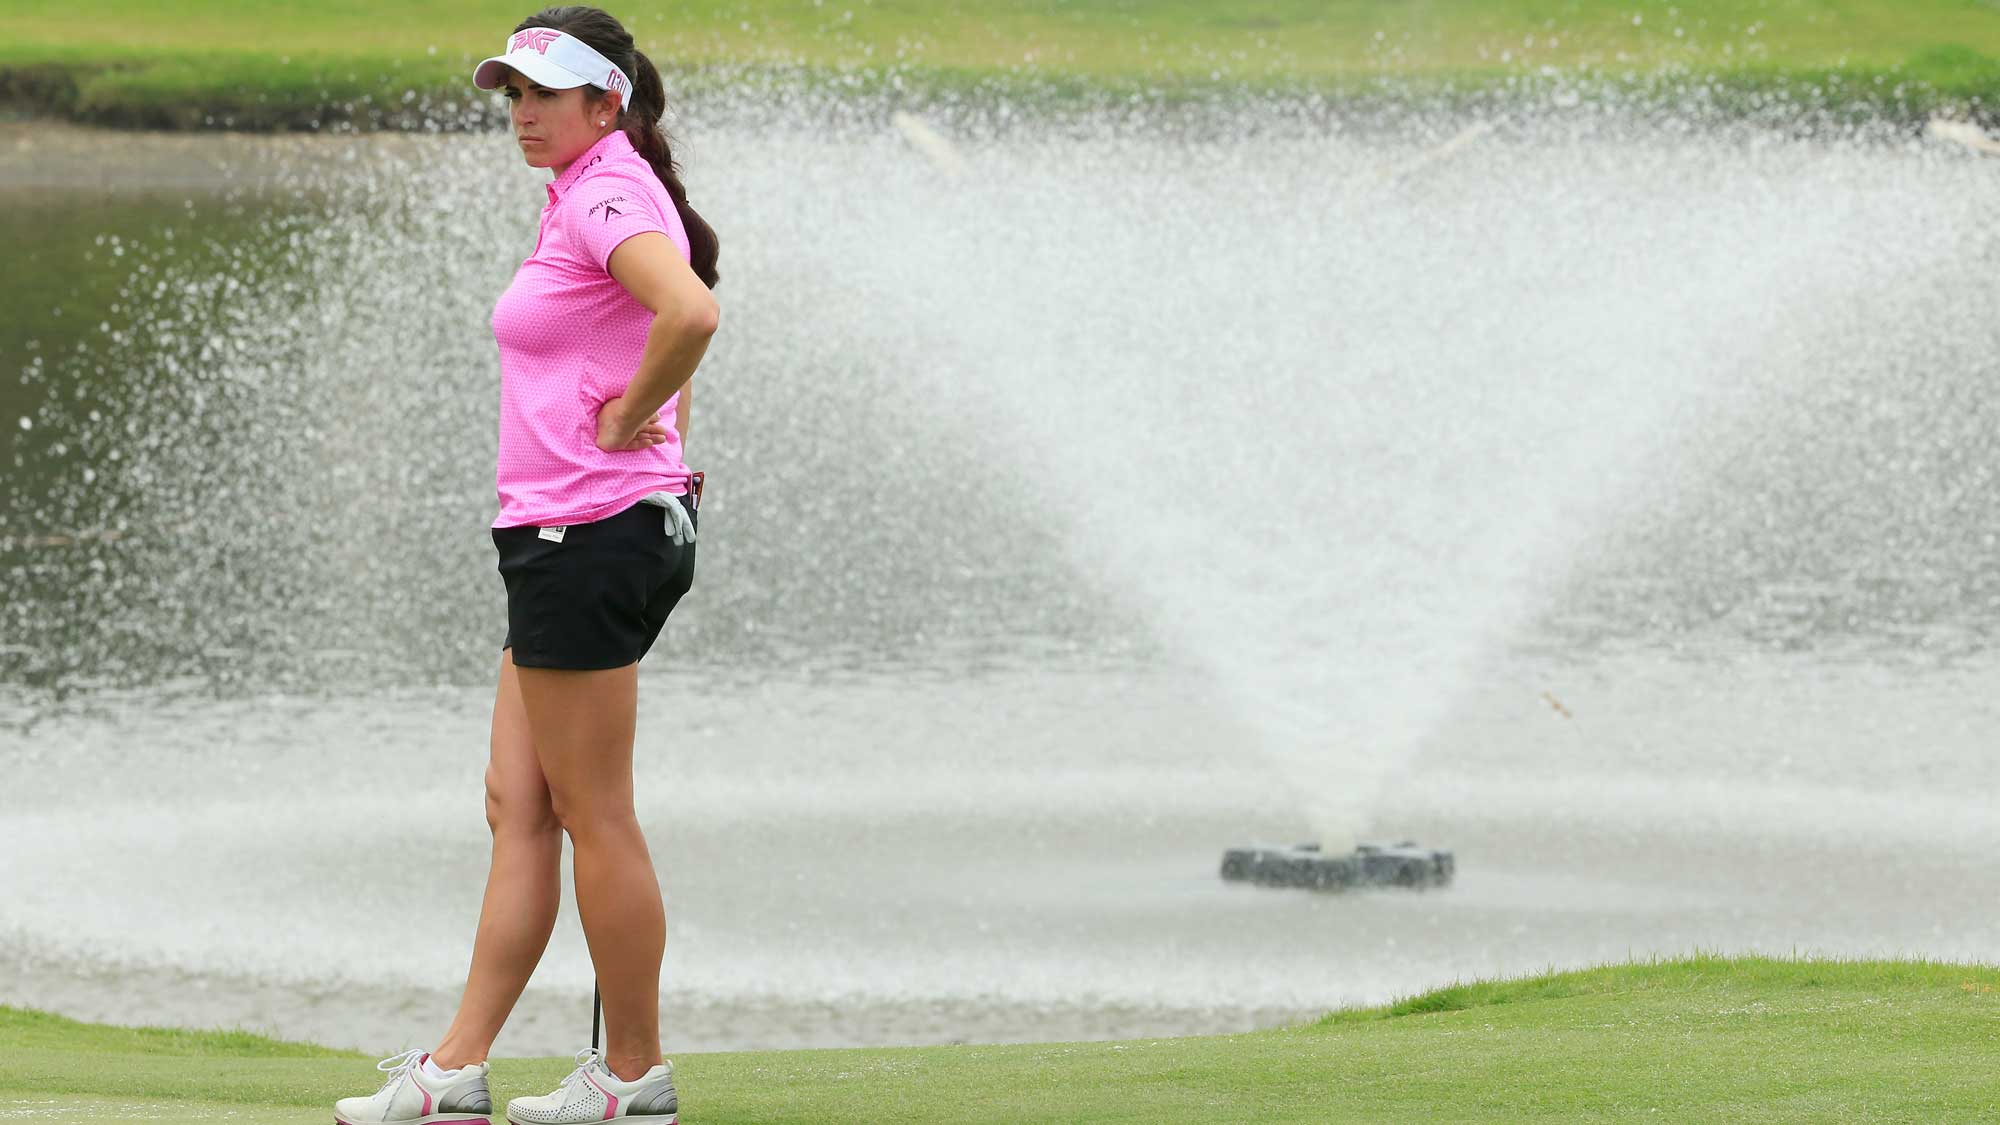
x=642 y=123
x=640 y=116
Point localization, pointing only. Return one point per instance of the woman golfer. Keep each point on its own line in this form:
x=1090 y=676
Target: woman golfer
x=600 y=329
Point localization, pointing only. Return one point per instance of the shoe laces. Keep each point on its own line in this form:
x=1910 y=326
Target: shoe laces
x=400 y=1065
x=585 y=1059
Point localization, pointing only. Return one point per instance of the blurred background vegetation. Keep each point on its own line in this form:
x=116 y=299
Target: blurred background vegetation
x=221 y=63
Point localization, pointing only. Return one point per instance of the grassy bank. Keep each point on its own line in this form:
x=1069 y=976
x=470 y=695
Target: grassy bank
x=1690 y=1039
x=205 y=63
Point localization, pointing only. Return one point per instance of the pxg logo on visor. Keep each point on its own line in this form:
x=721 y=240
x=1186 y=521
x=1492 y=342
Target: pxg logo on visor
x=538 y=38
x=552 y=58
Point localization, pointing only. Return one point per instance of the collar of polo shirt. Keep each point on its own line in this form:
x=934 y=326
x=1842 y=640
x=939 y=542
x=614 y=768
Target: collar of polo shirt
x=611 y=145
x=555 y=59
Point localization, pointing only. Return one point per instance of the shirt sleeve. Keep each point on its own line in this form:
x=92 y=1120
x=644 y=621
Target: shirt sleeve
x=608 y=210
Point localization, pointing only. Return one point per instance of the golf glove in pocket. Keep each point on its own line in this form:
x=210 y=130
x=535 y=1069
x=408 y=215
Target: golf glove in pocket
x=679 y=526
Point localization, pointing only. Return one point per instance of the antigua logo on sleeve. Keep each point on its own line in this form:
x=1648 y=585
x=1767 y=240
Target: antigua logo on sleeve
x=609 y=210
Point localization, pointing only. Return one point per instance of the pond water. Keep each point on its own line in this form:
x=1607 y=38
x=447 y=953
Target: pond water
x=1609 y=500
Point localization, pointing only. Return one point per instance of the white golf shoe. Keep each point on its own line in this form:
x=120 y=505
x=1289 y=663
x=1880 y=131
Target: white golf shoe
x=410 y=1097
x=593 y=1093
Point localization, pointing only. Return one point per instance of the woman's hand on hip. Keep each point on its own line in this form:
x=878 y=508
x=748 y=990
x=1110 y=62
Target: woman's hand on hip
x=615 y=434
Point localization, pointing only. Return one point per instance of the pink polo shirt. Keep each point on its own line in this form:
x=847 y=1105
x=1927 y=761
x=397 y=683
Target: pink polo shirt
x=570 y=339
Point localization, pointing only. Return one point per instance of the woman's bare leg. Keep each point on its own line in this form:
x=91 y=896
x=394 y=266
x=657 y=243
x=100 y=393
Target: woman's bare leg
x=523 y=888
x=582 y=724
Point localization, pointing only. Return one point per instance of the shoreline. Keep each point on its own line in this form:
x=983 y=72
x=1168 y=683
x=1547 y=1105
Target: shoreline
x=1962 y=85
x=365 y=1016
x=54 y=153
x=57 y=154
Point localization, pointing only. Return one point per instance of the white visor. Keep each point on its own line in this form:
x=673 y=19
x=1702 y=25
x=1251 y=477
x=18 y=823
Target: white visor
x=555 y=59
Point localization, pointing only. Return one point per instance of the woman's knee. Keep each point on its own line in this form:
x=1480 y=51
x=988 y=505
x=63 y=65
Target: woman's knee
x=519 y=808
x=588 y=819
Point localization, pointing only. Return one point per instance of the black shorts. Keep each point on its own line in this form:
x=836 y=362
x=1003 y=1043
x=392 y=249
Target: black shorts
x=598 y=598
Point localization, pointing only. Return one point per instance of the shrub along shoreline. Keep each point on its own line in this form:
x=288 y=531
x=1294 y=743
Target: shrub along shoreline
x=176 y=87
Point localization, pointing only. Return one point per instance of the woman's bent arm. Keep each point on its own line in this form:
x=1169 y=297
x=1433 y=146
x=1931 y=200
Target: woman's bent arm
x=685 y=316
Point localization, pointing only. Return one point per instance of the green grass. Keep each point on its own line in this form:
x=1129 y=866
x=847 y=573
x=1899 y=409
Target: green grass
x=196 y=62
x=1699 y=1038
